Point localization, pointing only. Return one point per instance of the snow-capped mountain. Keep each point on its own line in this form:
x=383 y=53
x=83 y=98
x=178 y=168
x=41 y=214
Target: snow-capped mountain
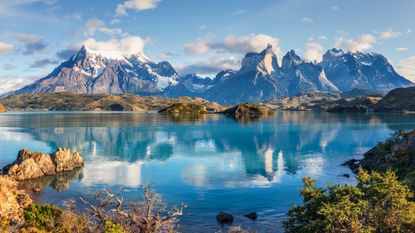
x=369 y=71
x=89 y=72
x=254 y=82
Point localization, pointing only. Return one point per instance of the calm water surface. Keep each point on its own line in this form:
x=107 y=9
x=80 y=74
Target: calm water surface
x=213 y=163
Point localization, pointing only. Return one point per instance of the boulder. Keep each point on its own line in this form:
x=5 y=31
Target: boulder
x=224 y=217
x=31 y=165
x=252 y=215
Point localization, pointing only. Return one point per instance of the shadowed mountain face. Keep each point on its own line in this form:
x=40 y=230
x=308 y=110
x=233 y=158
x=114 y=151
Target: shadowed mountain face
x=259 y=79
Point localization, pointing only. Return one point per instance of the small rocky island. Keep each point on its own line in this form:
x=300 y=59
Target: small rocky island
x=247 y=110
x=31 y=165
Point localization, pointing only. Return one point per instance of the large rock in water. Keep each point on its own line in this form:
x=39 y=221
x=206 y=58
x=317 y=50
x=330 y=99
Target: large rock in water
x=30 y=165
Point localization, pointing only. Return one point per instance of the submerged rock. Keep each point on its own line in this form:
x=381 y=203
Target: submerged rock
x=30 y=165
x=224 y=217
x=252 y=215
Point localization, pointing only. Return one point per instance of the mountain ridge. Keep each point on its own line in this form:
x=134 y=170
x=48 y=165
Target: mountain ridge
x=259 y=79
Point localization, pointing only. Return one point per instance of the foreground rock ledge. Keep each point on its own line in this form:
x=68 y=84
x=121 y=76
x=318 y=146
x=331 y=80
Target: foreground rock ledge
x=31 y=165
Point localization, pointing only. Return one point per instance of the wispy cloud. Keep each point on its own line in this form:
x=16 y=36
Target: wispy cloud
x=137 y=5
x=401 y=49
x=389 y=34
x=95 y=25
x=360 y=43
x=238 y=12
x=6 y=49
x=29 y=43
x=307 y=20
x=314 y=52
x=43 y=63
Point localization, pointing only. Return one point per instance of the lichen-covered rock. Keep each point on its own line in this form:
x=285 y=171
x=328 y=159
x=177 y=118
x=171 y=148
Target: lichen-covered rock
x=12 y=200
x=30 y=165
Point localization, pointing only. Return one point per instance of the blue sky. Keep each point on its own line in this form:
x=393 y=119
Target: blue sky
x=198 y=36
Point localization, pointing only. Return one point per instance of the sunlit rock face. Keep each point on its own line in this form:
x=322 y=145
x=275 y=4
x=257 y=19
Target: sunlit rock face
x=30 y=165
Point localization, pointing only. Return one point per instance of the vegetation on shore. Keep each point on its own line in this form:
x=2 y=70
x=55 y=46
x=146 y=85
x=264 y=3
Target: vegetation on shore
x=397 y=154
x=378 y=203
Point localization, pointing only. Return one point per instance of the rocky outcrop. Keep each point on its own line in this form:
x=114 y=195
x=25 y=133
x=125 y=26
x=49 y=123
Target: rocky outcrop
x=12 y=200
x=30 y=165
x=2 y=108
x=247 y=110
x=396 y=154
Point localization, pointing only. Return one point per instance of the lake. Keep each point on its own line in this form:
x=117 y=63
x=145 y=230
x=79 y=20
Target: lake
x=211 y=163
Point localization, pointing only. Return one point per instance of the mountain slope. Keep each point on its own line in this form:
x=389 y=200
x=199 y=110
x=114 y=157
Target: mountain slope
x=89 y=72
x=369 y=71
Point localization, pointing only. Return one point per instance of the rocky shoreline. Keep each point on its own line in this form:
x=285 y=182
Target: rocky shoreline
x=397 y=154
x=30 y=167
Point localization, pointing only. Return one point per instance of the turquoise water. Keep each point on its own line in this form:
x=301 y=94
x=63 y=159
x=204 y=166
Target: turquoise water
x=212 y=163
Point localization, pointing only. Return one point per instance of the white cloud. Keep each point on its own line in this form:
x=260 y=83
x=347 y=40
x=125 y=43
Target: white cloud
x=210 y=66
x=198 y=47
x=138 y=5
x=322 y=37
x=115 y=48
x=361 y=43
x=307 y=20
x=335 y=8
x=401 y=49
x=233 y=44
x=5 y=48
x=389 y=34
x=314 y=52
x=95 y=25
x=11 y=82
x=406 y=68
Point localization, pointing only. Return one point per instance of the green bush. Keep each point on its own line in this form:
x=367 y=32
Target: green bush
x=42 y=216
x=378 y=203
x=113 y=228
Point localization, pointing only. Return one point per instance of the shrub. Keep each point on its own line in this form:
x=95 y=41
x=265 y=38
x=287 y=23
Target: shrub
x=42 y=216
x=378 y=203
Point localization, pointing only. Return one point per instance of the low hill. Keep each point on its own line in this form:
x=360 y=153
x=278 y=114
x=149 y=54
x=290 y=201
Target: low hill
x=400 y=100
x=99 y=102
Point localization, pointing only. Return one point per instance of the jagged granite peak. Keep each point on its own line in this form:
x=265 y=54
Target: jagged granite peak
x=263 y=63
x=291 y=59
x=370 y=71
x=95 y=72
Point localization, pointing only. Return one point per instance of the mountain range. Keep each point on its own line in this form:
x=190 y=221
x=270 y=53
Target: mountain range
x=260 y=77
